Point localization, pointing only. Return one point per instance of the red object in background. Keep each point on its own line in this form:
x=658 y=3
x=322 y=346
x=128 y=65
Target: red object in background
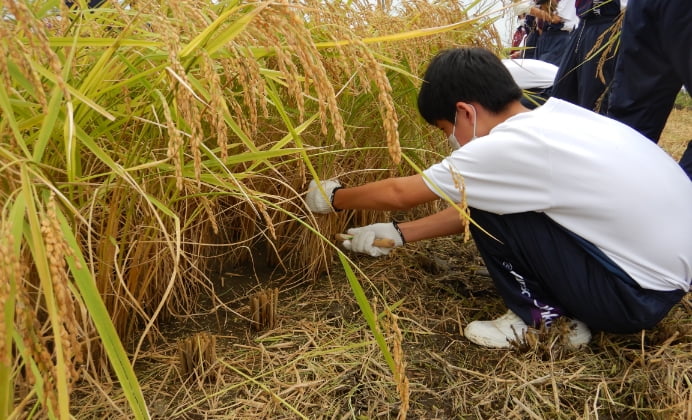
x=517 y=40
x=518 y=36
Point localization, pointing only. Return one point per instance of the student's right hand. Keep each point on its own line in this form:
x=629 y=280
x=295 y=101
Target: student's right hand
x=318 y=202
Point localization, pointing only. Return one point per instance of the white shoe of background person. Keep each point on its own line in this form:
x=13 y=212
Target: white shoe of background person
x=497 y=333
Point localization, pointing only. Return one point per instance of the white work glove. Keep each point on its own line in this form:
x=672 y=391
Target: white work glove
x=318 y=202
x=363 y=238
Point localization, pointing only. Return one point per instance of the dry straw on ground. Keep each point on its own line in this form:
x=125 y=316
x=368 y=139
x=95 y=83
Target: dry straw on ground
x=149 y=146
x=320 y=362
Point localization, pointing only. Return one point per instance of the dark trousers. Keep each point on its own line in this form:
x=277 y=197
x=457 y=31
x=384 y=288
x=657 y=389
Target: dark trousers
x=543 y=271
x=686 y=160
x=530 y=44
x=578 y=80
x=655 y=60
x=552 y=44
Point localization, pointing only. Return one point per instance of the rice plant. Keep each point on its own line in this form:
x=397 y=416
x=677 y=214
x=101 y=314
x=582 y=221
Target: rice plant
x=142 y=140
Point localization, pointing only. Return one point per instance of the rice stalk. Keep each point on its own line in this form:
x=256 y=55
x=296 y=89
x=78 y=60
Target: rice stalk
x=184 y=95
x=10 y=271
x=375 y=74
x=217 y=106
x=98 y=314
x=54 y=374
x=606 y=46
x=400 y=379
x=57 y=251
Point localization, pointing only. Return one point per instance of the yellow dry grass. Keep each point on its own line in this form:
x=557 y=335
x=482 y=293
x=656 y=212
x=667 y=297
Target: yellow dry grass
x=677 y=132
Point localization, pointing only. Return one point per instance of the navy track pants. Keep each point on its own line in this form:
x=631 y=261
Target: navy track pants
x=654 y=61
x=543 y=271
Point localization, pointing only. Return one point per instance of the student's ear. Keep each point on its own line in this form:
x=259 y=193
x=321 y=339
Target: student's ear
x=467 y=110
x=462 y=107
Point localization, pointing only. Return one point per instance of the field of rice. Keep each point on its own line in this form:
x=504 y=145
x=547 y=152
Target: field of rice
x=153 y=161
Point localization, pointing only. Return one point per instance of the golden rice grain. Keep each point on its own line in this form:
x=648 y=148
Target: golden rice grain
x=208 y=204
x=375 y=72
x=34 y=31
x=246 y=73
x=4 y=53
x=465 y=214
x=267 y=218
x=57 y=250
x=298 y=42
x=605 y=53
x=215 y=111
x=18 y=53
x=175 y=142
x=269 y=27
x=35 y=343
x=402 y=383
x=9 y=270
x=186 y=102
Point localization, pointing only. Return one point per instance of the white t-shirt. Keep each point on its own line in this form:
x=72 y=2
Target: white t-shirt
x=531 y=74
x=594 y=176
x=567 y=11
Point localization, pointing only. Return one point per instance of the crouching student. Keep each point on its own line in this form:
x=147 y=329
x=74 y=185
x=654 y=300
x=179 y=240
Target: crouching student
x=590 y=220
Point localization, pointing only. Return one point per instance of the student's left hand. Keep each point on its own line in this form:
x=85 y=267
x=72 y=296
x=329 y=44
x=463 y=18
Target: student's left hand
x=363 y=238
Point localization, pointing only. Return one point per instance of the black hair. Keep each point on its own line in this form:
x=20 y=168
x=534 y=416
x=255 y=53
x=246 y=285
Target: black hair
x=465 y=75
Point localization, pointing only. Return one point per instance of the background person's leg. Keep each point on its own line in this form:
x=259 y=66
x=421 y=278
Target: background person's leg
x=654 y=61
x=686 y=160
x=593 y=92
x=531 y=43
x=552 y=45
x=566 y=84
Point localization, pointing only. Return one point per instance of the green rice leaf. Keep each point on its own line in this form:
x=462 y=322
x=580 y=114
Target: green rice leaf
x=367 y=311
x=99 y=314
x=48 y=124
x=34 y=239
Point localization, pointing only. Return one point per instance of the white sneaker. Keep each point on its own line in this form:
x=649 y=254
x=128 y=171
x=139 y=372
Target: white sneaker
x=579 y=334
x=498 y=332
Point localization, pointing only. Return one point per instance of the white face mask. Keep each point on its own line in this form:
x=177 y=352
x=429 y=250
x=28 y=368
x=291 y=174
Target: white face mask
x=452 y=139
